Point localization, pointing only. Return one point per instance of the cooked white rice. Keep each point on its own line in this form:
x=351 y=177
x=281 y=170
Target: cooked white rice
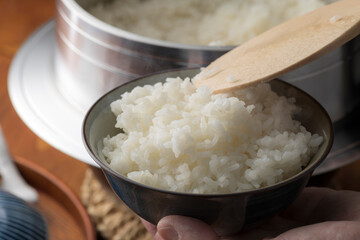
x=215 y=22
x=180 y=138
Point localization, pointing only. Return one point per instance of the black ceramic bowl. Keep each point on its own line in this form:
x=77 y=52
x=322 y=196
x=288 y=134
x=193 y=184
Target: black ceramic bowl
x=226 y=213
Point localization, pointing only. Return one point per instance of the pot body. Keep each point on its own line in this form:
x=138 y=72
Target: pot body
x=93 y=57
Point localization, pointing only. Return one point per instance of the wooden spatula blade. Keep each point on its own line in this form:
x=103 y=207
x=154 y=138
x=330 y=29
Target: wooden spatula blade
x=284 y=48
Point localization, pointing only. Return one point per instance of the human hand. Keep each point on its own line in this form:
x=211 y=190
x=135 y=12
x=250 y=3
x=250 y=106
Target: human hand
x=318 y=213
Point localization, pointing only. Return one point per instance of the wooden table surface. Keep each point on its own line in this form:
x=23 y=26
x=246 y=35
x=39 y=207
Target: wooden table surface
x=18 y=19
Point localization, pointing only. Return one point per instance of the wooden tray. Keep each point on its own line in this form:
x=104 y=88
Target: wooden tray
x=66 y=216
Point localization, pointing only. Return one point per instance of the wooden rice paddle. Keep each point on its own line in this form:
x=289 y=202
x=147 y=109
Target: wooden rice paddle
x=284 y=48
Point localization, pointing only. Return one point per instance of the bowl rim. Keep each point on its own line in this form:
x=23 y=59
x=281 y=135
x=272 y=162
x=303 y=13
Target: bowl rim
x=118 y=32
x=308 y=170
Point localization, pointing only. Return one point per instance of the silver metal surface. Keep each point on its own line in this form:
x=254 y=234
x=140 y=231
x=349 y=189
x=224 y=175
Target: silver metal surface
x=94 y=57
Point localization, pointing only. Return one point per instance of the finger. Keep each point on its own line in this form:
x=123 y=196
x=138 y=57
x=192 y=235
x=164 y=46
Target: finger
x=303 y=208
x=322 y=204
x=181 y=228
x=267 y=230
x=343 y=230
x=339 y=206
x=151 y=228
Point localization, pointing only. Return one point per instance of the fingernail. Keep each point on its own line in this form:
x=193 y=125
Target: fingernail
x=168 y=233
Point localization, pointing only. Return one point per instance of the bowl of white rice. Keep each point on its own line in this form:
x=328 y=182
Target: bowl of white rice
x=231 y=160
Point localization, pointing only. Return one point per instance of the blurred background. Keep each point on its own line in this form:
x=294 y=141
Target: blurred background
x=18 y=20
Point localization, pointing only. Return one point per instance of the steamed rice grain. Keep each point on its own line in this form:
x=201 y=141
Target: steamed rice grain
x=214 y=23
x=180 y=138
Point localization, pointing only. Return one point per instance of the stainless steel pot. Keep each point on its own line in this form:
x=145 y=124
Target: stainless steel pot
x=93 y=57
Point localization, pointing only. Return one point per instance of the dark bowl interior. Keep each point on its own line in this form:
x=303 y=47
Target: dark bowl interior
x=226 y=213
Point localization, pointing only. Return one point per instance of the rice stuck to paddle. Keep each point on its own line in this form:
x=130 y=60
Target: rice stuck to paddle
x=183 y=139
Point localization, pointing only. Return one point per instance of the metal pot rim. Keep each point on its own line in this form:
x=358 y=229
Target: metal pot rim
x=109 y=29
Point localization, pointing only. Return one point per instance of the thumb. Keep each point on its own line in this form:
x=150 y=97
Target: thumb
x=324 y=230
x=182 y=228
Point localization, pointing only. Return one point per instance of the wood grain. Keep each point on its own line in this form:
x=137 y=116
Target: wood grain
x=66 y=216
x=284 y=48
